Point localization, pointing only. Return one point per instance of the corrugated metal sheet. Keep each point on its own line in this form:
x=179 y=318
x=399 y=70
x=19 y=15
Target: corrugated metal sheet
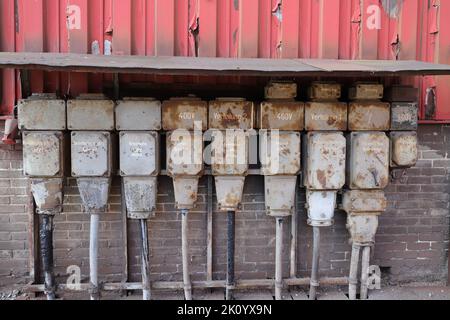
x=334 y=29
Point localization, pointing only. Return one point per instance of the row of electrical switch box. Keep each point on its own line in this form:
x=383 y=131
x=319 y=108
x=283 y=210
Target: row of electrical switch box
x=227 y=113
x=325 y=154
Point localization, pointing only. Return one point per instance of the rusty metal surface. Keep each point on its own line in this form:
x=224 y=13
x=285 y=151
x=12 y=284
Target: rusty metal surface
x=185 y=113
x=139 y=153
x=231 y=113
x=398 y=93
x=364 y=201
x=368 y=160
x=320 y=206
x=42 y=114
x=184 y=153
x=404 y=149
x=229 y=152
x=214 y=66
x=140 y=196
x=326 y=116
x=324 y=91
x=185 y=191
x=138 y=114
x=83 y=114
x=366 y=91
x=94 y=193
x=369 y=116
x=43 y=154
x=229 y=190
x=281 y=115
x=404 y=116
x=279 y=152
x=325 y=160
x=280 y=195
x=48 y=195
x=280 y=90
x=91 y=154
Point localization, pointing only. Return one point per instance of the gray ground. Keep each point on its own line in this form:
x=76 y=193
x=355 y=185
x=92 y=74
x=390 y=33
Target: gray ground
x=418 y=291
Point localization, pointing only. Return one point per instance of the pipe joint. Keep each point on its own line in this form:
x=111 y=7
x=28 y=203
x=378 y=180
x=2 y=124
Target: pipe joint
x=94 y=291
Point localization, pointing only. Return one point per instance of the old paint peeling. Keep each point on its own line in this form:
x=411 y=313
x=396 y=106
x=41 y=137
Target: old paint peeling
x=48 y=195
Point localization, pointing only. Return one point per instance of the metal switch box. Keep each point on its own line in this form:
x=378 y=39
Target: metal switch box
x=43 y=154
x=95 y=115
x=326 y=116
x=281 y=115
x=229 y=152
x=279 y=152
x=364 y=202
x=362 y=229
x=281 y=90
x=185 y=113
x=139 y=153
x=231 y=113
x=42 y=114
x=91 y=154
x=404 y=116
x=184 y=153
x=138 y=114
x=366 y=91
x=324 y=91
x=325 y=160
x=368 y=160
x=402 y=93
x=320 y=206
x=280 y=195
x=404 y=149
x=369 y=116
x=140 y=196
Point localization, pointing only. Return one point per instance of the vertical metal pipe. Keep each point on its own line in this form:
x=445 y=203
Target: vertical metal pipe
x=185 y=254
x=230 y=255
x=145 y=261
x=314 y=282
x=353 y=277
x=93 y=256
x=279 y=259
x=46 y=243
x=364 y=272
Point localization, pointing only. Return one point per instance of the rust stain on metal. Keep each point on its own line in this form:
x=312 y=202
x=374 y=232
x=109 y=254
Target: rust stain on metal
x=324 y=91
x=366 y=91
x=281 y=90
x=404 y=116
x=369 y=116
x=327 y=116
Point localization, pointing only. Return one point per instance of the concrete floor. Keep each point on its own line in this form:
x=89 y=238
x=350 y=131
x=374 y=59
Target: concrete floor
x=406 y=292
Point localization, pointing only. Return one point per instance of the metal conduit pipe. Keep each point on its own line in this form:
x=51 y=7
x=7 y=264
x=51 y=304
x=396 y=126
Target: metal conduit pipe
x=93 y=255
x=185 y=253
x=353 y=277
x=145 y=261
x=279 y=258
x=364 y=272
x=230 y=285
x=314 y=283
x=46 y=243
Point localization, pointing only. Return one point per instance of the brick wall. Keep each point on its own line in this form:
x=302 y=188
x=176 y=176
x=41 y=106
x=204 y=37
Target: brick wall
x=412 y=242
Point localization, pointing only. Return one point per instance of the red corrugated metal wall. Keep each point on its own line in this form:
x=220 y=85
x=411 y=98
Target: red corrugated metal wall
x=344 y=29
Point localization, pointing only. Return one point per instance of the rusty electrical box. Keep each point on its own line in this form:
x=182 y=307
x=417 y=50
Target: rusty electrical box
x=280 y=152
x=281 y=115
x=229 y=152
x=280 y=90
x=42 y=112
x=231 y=113
x=324 y=160
x=404 y=149
x=92 y=154
x=364 y=202
x=368 y=160
x=324 y=91
x=138 y=114
x=139 y=153
x=43 y=154
x=404 y=116
x=187 y=113
x=184 y=153
x=90 y=112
